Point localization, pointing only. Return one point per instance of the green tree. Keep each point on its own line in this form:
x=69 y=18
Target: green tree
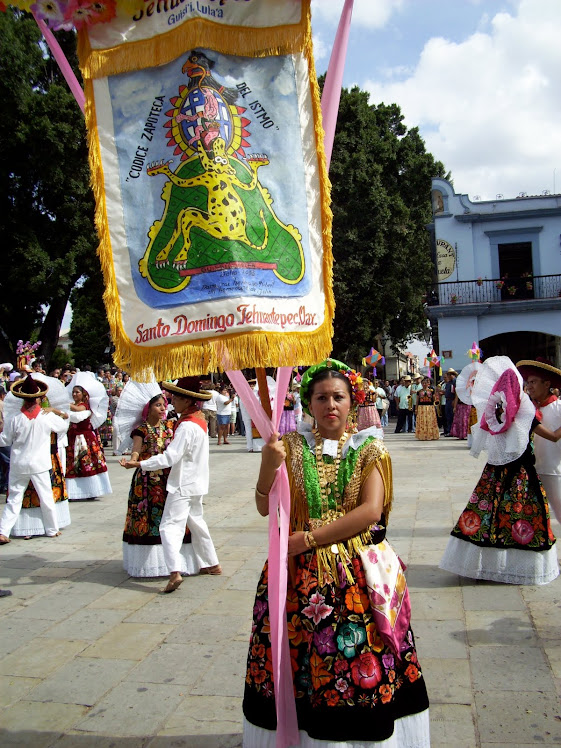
x=89 y=330
x=46 y=203
x=381 y=200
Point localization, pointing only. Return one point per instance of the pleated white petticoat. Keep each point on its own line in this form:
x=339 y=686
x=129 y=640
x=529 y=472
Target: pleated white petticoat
x=30 y=521
x=148 y=560
x=409 y=732
x=511 y=565
x=88 y=488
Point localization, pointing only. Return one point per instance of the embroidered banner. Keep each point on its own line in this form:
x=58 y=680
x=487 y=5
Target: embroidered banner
x=206 y=149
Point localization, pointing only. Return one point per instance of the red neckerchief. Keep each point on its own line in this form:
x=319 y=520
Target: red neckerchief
x=32 y=412
x=543 y=404
x=195 y=416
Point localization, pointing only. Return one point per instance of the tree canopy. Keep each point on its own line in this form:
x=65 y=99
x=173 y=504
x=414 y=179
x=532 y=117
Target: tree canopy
x=381 y=186
x=46 y=203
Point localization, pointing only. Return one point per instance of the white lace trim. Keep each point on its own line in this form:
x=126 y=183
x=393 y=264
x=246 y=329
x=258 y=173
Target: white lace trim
x=512 y=565
x=88 y=488
x=30 y=521
x=330 y=445
x=148 y=560
x=409 y=732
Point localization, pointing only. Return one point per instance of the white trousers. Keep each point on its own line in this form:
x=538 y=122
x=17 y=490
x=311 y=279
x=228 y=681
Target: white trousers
x=552 y=485
x=178 y=511
x=17 y=485
x=247 y=425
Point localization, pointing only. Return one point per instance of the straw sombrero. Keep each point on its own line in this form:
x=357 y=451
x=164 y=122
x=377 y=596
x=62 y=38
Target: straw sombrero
x=541 y=369
x=187 y=387
x=29 y=388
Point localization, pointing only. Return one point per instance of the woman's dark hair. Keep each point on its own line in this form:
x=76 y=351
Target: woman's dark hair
x=155 y=400
x=329 y=374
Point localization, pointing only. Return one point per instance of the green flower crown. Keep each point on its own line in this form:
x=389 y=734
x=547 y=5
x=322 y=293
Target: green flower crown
x=332 y=364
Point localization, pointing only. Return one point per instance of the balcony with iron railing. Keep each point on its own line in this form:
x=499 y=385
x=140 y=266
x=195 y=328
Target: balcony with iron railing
x=494 y=291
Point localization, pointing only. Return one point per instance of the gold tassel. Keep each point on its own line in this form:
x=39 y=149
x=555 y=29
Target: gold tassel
x=198 y=32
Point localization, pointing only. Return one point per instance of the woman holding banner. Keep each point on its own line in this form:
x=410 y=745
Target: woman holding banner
x=356 y=677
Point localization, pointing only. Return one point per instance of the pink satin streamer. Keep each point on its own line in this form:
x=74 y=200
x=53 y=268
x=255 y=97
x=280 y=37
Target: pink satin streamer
x=63 y=63
x=279 y=521
x=334 y=79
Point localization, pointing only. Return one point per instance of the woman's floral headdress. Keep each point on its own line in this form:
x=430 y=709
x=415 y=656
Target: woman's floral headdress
x=354 y=378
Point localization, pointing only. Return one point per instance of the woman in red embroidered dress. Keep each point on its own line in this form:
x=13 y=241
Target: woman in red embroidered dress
x=86 y=469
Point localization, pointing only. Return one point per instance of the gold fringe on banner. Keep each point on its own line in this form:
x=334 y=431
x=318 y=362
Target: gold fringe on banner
x=163 y=48
x=242 y=350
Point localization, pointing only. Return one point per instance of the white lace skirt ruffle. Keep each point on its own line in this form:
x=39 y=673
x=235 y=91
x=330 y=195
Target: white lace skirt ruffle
x=409 y=732
x=512 y=565
x=88 y=488
x=148 y=560
x=30 y=521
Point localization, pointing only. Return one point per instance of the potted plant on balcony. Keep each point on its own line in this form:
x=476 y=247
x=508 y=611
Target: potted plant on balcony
x=512 y=290
x=479 y=281
x=499 y=284
x=454 y=299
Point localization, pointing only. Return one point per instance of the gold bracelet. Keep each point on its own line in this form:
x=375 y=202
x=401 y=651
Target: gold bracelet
x=259 y=495
x=310 y=540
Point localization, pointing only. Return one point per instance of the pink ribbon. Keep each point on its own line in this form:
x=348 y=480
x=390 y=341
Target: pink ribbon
x=334 y=79
x=279 y=522
x=63 y=63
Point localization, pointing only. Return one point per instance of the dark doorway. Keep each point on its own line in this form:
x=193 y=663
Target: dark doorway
x=515 y=268
x=521 y=345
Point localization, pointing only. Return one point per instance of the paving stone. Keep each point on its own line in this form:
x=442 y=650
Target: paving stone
x=80 y=739
x=523 y=716
x=56 y=607
x=452 y=726
x=448 y=681
x=522 y=668
x=499 y=627
x=36 y=724
x=17 y=630
x=440 y=639
x=177 y=663
x=122 y=598
x=54 y=571
x=223 y=676
x=13 y=688
x=128 y=641
x=83 y=681
x=490 y=596
x=133 y=709
x=204 y=629
x=40 y=657
x=87 y=624
x=437 y=605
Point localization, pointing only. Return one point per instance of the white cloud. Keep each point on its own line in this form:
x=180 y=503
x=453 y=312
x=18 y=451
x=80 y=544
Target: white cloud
x=369 y=14
x=490 y=106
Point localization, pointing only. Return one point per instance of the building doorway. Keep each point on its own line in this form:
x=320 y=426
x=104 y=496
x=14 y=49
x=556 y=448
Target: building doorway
x=525 y=344
x=515 y=269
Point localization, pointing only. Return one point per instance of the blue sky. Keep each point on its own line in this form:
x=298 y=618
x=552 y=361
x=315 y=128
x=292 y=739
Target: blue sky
x=480 y=78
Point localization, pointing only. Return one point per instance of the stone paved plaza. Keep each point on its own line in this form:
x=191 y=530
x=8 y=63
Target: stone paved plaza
x=92 y=658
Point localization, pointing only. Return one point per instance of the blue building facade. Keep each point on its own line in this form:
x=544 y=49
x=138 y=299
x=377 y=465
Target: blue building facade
x=498 y=276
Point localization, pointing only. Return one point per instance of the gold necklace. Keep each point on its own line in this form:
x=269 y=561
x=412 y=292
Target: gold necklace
x=328 y=472
x=157 y=434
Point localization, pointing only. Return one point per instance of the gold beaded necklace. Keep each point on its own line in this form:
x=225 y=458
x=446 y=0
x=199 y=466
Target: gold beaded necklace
x=157 y=434
x=328 y=472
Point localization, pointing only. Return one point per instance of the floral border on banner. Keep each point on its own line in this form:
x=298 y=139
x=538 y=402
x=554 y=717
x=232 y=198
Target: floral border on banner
x=70 y=14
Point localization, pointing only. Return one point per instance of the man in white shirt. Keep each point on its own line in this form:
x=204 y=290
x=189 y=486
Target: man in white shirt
x=187 y=484
x=29 y=435
x=209 y=410
x=223 y=412
x=540 y=378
